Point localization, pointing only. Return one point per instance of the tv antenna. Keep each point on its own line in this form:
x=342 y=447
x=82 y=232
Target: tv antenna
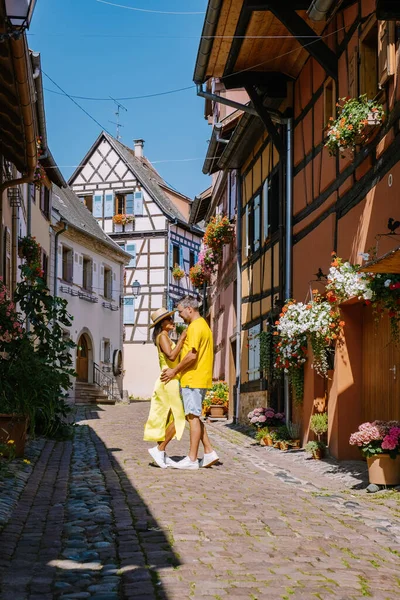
x=117 y=114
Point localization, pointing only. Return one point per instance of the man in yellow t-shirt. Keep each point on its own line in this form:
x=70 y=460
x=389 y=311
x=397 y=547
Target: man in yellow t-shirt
x=196 y=369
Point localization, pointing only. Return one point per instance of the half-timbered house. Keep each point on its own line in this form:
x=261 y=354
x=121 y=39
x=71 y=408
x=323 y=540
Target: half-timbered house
x=297 y=203
x=149 y=220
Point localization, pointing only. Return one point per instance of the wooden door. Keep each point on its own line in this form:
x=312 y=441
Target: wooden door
x=381 y=370
x=82 y=362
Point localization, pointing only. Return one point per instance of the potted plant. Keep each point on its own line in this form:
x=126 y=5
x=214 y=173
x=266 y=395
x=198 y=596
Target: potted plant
x=379 y=442
x=177 y=272
x=263 y=436
x=357 y=118
x=316 y=448
x=294 y=432
x=283 y=437
x=319 y=424
x=266 y=417
x=217 y=399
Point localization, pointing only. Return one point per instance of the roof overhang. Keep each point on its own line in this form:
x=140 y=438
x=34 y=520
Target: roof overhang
x=388 y=263
x=200 y=206
x=18 y=130
x=255 y=36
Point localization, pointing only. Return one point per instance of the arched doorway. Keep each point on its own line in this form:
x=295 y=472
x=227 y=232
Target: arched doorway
x=82 y=358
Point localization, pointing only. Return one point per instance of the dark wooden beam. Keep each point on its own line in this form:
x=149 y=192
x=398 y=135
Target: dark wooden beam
x=266 y=119
x=240 y=32
x=274 y=83
x=290 y=4
x=305 y=35
x=388 y=10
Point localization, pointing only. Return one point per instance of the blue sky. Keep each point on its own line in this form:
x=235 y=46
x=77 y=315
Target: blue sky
x=93 y=49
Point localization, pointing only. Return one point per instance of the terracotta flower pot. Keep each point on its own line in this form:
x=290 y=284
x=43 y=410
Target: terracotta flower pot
x=217 y=411
x=268 y=440
x=14 y=427
x=295 y=443
x=318 y=454
x=284 y=445
x=383 y=470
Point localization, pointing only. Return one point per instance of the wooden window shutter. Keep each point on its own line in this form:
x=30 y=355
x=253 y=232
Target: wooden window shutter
x=386 y=51
x=7 y=257
x=353 y=73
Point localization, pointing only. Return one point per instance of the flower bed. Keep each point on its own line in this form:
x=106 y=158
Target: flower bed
x=266 y=417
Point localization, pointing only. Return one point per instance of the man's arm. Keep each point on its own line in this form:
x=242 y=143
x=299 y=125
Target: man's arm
x=188 y=360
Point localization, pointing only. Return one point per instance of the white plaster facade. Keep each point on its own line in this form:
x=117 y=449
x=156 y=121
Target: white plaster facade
x=115 y=178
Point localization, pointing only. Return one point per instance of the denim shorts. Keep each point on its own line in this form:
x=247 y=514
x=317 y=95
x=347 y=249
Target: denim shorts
x=193 y=400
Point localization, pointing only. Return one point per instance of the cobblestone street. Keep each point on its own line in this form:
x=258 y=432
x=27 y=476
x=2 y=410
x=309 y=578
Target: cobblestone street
x=97 y=520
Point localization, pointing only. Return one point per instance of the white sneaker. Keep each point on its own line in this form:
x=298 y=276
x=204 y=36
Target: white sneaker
x=158 y=456
x=186 y=463
x=209 y=459
x=169 y=462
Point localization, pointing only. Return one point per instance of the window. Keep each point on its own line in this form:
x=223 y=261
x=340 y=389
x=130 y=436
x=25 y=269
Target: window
x=7 y=258
x=124 y=204
x=87 y=274
x=32 y=192
x=265 y=209
x=254 y=352
x=175 y=255
x=131 y=249
x=329 y=100
x=87 y=201
x=45 y=201
x=192 y=259
x=45 y=265
x=232 y=199
x=98 y=205
x=107 y=291
x=129 y=310
x=67 y=264
x=107 y=351
x=369 y=61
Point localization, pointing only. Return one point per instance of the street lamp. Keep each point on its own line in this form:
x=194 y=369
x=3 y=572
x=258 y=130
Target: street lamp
x=19 y=13
x=136 y=287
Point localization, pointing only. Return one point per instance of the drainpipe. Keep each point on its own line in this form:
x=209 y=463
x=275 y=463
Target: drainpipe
x=238 y=297
x=288 y=240
x=58 y=233
x=319 y=9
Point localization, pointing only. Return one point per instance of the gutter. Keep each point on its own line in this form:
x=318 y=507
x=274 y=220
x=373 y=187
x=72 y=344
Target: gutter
x=58 y=233
x=238 y=297
x=207 y=39
x=319 y=9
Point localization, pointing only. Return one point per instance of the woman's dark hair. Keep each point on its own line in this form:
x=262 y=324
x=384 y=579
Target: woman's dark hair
x=158 y=329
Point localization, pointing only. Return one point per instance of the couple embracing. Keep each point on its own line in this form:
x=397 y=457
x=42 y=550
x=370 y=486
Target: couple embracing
x=186 y=375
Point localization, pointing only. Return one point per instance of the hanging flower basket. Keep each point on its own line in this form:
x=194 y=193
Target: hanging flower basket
x=218 y=232
x=177 y=272
x=357 y=119
x=198 y=275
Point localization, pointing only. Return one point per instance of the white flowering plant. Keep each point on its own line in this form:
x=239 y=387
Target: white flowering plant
x=345 y=281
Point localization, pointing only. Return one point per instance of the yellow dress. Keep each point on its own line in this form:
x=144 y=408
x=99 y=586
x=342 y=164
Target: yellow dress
x=166 y=404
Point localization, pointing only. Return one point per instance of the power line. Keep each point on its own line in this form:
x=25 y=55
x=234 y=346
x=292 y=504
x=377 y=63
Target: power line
x=174 y=91
x=78 y=105
x=145 y=10
x=189 y=87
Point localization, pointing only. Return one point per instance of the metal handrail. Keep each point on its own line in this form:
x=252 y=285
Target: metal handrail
x=106 y=382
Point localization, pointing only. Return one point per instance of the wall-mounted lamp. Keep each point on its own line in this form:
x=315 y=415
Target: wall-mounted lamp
x=19 y=13
x=136 y=287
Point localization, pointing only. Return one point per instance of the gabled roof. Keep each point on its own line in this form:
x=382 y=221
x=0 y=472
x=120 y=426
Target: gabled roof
x=79 y=217
x=144 y=171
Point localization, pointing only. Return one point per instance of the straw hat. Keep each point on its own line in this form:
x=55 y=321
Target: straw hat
x=160 y=314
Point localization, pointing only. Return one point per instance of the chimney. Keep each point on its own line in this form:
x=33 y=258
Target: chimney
x=138 y=146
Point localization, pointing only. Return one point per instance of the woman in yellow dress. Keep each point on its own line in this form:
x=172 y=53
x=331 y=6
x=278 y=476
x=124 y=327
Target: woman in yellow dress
x=166 y=418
